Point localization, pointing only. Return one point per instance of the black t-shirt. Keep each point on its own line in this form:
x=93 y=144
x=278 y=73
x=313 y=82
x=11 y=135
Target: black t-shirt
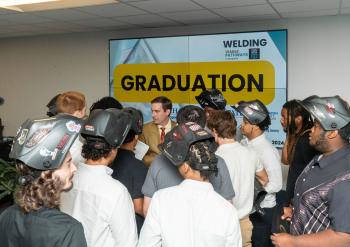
x=131 y=172
x=42 y=228
x=303 y=154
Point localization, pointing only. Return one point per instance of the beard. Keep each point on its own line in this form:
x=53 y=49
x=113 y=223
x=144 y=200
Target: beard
x=321 y=143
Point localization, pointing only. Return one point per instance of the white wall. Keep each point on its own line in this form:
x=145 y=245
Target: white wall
x=34 y=69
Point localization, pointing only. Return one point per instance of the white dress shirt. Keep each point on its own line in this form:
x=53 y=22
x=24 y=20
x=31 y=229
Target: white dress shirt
x=271 y=161
x=167 y=127
x=104 y=207
x=75 y=151
x=190 y=214
x=242 y=164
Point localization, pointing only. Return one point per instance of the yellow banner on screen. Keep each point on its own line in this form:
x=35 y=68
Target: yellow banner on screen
x=181 y=82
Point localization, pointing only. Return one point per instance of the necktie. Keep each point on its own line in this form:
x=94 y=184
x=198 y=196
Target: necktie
x=162 y=134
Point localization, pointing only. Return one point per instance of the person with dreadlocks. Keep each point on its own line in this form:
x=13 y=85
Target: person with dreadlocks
x=297 y=151
x=191 y=213
x=320 y=216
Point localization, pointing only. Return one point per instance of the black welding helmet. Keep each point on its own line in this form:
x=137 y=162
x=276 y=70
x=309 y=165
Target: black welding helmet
x=44 y=143
x=111 y=125
x=52 y=106
x=332 y=113
x=211 y=98
x=136 y=119
x=178 y=141
x=254 y=111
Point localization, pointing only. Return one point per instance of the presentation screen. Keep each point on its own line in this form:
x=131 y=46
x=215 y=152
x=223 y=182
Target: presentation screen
x=243 y=66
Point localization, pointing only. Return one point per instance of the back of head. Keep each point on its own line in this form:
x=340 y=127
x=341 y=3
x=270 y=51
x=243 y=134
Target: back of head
x=212 y=98
x=52 y=106
x=112 y=125
x=255 y=112
x=177 y=142
x=106 y=103
x=166 y=103
x=136 y=123
x=191 y=113
x=201 y=157
x=70 y=102
x=224 y=124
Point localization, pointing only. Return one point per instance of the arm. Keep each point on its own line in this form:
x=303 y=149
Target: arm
x=322 y=239
x=146 y=202
x=262 y=177
x=284 y=158
x=222 y=182
x=150 y=235
x=74 y=237
x=138 y=206
x=122 y=221
x=233 y=237
x=272 y=165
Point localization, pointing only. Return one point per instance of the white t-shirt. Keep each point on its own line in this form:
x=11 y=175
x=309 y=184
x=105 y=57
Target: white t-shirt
x=271 y=161
x=190 y=214
x=242 y=163
x=104 y=207
x=75 y=151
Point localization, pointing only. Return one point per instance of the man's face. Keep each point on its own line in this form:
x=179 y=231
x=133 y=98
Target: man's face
x=246 y=127
x=284 y=119
x=66 y=172
x=317 y=137
x=160 y=116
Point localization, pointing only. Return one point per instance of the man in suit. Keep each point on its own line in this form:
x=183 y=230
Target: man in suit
x=153 y=132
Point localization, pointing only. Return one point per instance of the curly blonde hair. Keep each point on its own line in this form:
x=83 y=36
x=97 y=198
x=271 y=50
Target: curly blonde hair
x=39 y=189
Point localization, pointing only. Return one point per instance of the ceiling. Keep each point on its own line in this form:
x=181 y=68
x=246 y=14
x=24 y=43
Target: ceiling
x=135 y=14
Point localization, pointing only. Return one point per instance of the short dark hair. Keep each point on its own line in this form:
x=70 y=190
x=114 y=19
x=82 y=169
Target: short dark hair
x=264 y=125
x=95 y=148
x=106 y=103
x=129 y=137
x=223 y=122
x=166 y=103
x=191 y=113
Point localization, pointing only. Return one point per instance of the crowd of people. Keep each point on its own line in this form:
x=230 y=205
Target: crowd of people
x=204 y=181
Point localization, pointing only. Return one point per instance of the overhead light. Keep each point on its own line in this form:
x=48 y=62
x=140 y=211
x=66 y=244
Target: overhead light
x=12 y=4
x=41 y=5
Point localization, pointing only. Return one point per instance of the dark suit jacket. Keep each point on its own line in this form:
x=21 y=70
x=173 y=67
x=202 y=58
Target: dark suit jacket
x=150 y=135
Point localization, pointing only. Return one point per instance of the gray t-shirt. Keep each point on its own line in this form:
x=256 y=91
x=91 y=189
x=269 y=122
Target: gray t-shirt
x=163 y=174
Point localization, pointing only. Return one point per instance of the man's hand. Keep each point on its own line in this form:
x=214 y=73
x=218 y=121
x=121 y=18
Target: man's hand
x=283 y=240
x=287 y=213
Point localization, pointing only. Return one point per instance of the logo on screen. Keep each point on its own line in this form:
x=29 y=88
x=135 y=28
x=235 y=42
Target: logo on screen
x=254 y=53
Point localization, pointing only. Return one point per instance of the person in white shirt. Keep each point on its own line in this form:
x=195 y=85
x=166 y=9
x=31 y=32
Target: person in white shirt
x=256 y=120
x=191 y=213
x=101 y=203
x=243 y=165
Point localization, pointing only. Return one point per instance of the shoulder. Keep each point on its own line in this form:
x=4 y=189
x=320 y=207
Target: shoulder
x=149 y=125
x=55 y=218
x=8 y=214
x=166 y=193
x=173 y=123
